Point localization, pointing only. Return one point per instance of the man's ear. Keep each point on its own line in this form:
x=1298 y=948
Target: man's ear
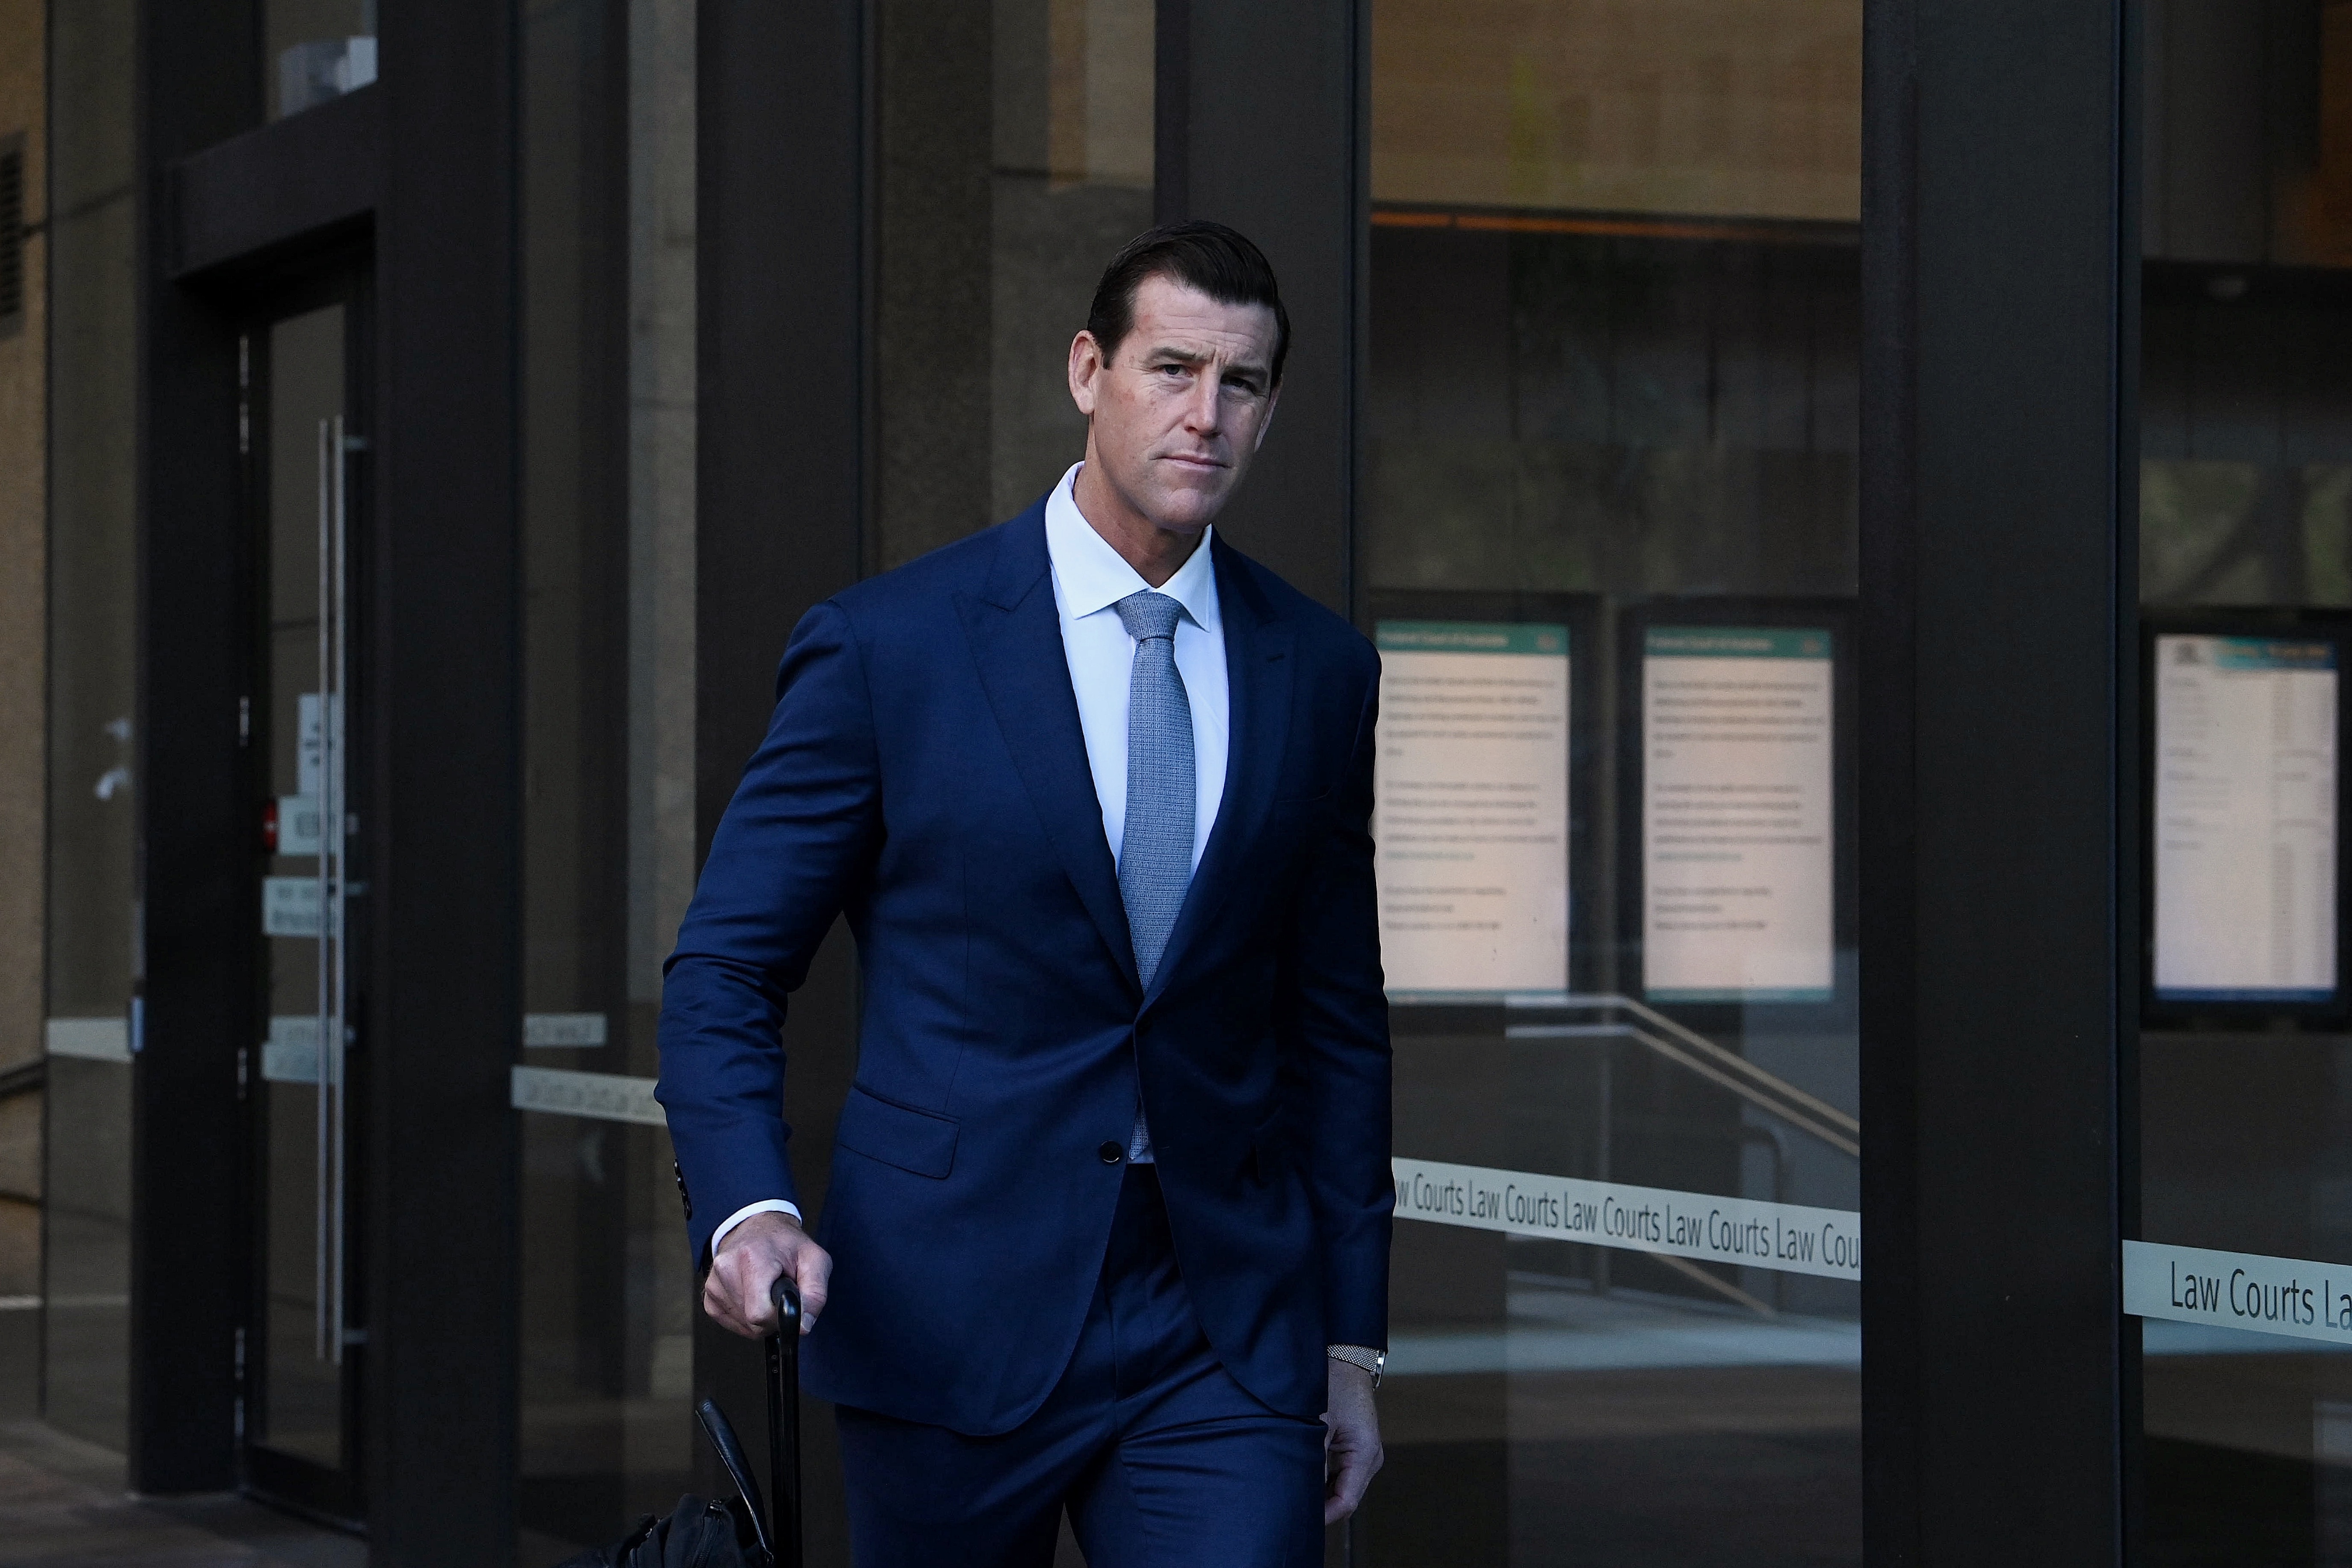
x=1086 y=370
x=1274 y=400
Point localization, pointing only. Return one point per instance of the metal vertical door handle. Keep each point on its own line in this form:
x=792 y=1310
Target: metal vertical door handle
x=319 y=1291
x=338 y=772
x=334 y=979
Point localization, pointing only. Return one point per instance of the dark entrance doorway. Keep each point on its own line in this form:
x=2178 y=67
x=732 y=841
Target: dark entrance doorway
x=305 y=431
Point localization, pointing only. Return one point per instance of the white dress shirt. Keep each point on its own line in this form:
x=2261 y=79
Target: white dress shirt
x=1089 y=577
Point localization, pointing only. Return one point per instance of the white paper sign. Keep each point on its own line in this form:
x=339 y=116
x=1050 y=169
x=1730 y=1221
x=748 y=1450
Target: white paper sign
x=290 y=906
x=2246 y=819
x=1738 y=841
x=290 y=1054
x=308 y=752
x=297 y=825
x=1471 y=805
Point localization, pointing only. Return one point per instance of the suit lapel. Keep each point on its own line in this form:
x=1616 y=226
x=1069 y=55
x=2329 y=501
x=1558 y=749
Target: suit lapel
x=1015 y=633
x=1258 y=675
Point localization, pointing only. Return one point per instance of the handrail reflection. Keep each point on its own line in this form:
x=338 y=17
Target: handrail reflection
x=1687 y=1049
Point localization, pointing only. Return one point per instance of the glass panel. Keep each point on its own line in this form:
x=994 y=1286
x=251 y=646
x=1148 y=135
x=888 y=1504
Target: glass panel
x=23 y=345
x=1678 y=108
x=608 y=848
x=92 y=957
x=2244 y=1265
x=300 y=1408
x=1610 y=539
x=315 y=50
x=1003 y=191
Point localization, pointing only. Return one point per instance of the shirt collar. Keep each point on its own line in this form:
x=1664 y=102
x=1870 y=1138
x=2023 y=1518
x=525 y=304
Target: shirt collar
x=1093 y=576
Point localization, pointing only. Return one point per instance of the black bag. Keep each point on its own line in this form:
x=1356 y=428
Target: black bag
x=739 y=1532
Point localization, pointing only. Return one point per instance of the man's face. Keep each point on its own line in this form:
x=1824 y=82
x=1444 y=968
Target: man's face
x=1176 y=416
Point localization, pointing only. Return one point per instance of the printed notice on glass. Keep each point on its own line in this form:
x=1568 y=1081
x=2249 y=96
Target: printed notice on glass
x=1738 y=846
x=1470 y=809
x=2246 y=819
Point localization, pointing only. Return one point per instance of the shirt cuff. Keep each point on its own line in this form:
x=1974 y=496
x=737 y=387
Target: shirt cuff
x=768 y=1205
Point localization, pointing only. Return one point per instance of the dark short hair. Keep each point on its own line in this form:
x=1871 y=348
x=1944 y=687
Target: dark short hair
x=1218 y=261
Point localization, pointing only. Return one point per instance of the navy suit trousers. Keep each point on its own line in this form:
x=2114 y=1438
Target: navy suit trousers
x=1161 y=1459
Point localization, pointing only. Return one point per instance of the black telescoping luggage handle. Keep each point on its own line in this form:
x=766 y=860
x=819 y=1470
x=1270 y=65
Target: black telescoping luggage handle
x=784 y=1424
x=777 y=1533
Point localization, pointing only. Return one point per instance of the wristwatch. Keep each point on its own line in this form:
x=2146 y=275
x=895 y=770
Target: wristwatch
x=1371 y=1361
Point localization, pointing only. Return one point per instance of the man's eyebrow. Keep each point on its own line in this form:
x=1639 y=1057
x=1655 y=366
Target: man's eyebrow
x=1169 y=353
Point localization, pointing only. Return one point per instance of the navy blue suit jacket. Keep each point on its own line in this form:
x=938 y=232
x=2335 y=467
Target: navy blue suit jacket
x=925 y=773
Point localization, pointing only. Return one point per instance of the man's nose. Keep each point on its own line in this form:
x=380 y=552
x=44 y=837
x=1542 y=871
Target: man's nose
x=1205 y=409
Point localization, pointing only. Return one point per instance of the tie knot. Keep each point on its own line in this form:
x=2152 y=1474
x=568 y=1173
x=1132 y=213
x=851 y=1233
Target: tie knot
x=1148 y=615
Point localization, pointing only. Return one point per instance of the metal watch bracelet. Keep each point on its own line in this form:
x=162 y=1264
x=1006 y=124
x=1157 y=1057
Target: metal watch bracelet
x=1371 y=1361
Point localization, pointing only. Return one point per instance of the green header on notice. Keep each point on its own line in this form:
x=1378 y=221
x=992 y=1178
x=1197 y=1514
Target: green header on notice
x=1737 y=642
x=2258 y=653
x=1471 y=636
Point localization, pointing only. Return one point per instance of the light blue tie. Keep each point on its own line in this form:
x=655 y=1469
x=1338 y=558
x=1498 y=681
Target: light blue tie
x=1155 y=851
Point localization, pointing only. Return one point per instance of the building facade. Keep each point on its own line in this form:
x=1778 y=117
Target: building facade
x=1855 y=499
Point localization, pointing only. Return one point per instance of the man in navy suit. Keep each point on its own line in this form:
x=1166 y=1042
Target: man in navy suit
x=1109 y=1223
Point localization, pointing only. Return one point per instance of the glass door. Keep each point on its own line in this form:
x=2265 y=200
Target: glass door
x=1609 y=541
x=305 y=1336
x=2240 y=1268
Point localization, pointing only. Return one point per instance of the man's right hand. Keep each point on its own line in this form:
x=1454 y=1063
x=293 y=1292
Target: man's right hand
x=736 y=1291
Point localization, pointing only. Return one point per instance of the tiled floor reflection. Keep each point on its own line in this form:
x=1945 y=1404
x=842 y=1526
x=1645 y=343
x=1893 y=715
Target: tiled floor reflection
x=61 y=1499
x=1567 y=1327
x=2247 y=1447
x=1620 y=1430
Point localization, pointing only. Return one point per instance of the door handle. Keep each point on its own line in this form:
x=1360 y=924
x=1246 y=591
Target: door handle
x=329 y=821
x=334 y=977
x=333 y=836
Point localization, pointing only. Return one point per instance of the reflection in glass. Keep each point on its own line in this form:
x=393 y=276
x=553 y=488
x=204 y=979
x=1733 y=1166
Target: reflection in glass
x=91 y=921
x=1681 y=108
x=85 y=1338
x=300 y=1380
x=314 y=51
x=1003 y=191
x=608 y=730
x=1614 y=401
x=2245 y=1077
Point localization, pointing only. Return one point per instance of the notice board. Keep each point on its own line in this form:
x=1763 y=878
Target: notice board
x=1470 y=804
x=2243 y=807
x=1737 y=762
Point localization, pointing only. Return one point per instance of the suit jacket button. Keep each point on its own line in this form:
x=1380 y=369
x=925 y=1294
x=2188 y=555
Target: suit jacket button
x=1112 y=1154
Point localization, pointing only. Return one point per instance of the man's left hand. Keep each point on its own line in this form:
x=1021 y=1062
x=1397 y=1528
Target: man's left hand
x=1351 y=1439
